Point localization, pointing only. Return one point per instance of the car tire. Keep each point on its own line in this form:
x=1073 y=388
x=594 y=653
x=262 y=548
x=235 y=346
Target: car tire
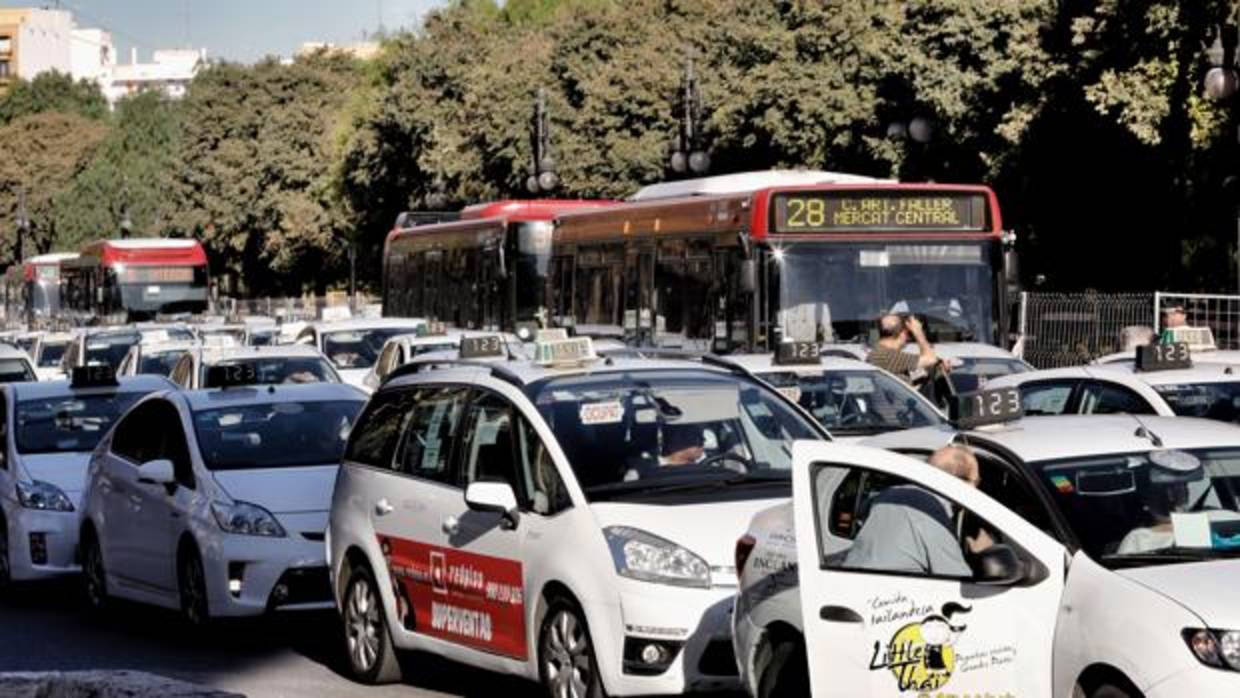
x=1108 y=690
x=94 y=576
x=787 y=673
x=566 y=662
x=192 y=589
x=6 y=568
x=367 y=640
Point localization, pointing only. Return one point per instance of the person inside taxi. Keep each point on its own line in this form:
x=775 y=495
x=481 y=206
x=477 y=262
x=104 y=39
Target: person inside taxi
x=909 y=529
x=683 y=444
x=1165 y=495
x=896 y=331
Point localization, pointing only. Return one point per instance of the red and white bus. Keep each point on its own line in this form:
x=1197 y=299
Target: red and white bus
x=140 y=277
x=32 y=291
x=739 y=262
x=487 y=269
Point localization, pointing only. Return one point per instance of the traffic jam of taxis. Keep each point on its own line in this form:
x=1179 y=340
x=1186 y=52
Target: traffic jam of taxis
x=605 y=520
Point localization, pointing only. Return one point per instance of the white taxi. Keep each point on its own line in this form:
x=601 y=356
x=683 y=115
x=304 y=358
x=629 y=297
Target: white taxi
x=565 y=519
x=1181 y=387
x=402 y=349
x=851 y=398
x=155 y=359
x=49 y=430
x=289 y=363
x=215 y=502
x=1108 y=572
x=353 y=346
x=15 y=366
x=48 y=354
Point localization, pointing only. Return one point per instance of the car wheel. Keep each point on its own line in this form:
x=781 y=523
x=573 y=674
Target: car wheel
x=192 y=585
x=6 y=571
x=94 y=579
x=368 y=642
x=566 y=661
x=1107 y=690
x=787 y=673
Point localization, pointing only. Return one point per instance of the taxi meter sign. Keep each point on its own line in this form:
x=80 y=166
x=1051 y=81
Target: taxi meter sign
x=93 y=376
x=565 y=351
x=986 y=407
x=793 y=353
x=231 y=375
x=1164 y=357
x=480 y=347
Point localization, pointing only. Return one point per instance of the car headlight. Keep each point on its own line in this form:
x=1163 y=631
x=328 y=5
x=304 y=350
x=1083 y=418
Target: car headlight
x=1215 y=648
x=645 y=556
x=43 y=495
x=245 y=519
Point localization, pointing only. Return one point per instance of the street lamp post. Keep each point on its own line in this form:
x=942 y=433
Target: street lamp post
x=23 y=225
x=919 y=130
x=126 y=221
x=687 y=153
x=543 y=178
x=1220 y=83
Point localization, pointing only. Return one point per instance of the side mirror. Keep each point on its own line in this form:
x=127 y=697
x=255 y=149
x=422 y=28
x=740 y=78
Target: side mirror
x=748 y=276
x=157 y=472
x=493 y=497
x=999 y=565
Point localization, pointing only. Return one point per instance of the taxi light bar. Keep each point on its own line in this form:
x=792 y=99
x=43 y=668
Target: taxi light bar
x=431 y=329
x=482 y=347
x=565 y=352
x=93 y=376
x=1197 y=338
x=798 y=353
x=551 y=334
x=1164 y=357
x=971 y=410
x=231 y=375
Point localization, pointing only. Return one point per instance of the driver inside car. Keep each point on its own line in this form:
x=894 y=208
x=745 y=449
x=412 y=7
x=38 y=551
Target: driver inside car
x=683 y=444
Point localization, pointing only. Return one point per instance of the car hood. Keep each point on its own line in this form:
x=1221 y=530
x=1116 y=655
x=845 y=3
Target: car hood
x=709 y=530
x=64 y=470
x=1207 y=589
x=282 y=490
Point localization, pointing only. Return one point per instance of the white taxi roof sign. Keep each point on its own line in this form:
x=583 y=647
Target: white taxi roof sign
x=570 y=352
x=1197 y=338
x=551 y=334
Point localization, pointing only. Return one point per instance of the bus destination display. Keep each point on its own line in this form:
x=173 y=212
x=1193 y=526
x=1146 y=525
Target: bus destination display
x=873 y=211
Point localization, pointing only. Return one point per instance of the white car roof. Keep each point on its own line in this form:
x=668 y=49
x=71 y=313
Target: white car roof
x=1043 y=438
x=367 y=324
x=765 y=363
x=528 y=372
x=168 y=347
x=1126 y=374
x=744 y=182
x=277 y=351
x=267 y=394
x=10 y=352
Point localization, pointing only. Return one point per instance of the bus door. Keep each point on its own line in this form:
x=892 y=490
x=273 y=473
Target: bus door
x=640 y=316
x=733 y=301
x=560 y=292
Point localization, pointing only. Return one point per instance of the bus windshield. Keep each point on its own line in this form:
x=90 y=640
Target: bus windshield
x=640 y=433
x=834 y=291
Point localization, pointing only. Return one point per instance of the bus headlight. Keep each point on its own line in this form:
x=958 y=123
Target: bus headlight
x=43 y=496
x=1219 y=649
x=649 y=558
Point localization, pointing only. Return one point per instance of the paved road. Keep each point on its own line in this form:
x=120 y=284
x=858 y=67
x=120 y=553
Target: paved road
x=44 y=628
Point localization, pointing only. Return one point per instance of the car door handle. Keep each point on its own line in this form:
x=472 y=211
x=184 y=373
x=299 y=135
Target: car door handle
x=839 y=614
x=451 y=525
x=383 y=508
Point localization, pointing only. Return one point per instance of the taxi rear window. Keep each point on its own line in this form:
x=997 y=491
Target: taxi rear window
x=284 y=369
x=275 y=435
x=15 y=371
x=68 y=423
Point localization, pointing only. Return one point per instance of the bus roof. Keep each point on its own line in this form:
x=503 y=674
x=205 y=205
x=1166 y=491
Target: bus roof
x=51 y=258
x=746 y=182
x=144 y=251
x=518 y=211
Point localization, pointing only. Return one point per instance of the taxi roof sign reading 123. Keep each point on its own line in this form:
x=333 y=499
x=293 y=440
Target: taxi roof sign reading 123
x=94 y=376
x=793 y=353
x=231 y=375
x=984 y=407
x=482 y=346
x=1164 y=357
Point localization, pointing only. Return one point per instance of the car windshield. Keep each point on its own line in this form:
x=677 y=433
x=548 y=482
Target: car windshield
x=1150 y=507
x=50 y=354
x=969 y=375
x=68 y=422
x=275 y=435
x=15 y=371
x=262 y=338
x=109 y=349
x=358 y=348
x=283 y=369
x=855 y=402
x=631 y=433
x=1219 y=401
x=159 y=363
x=25 y=343
x=833 y=291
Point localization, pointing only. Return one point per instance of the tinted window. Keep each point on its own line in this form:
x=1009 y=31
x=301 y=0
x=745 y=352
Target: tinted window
x=378 y=430
x=285 y=369
x=51 y=354
x=15 y=371
x=276 y=435
x=160 y=364
x=68 y=423
x=1045 y=398
x=1219 y=401
x=426 y=447
x=546 y=490
x=109 y=349
x=855 y=402
x=487 y=448
x=358 y=348
x=1106 y=398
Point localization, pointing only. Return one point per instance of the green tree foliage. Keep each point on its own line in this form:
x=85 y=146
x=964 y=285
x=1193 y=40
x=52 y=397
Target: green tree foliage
x=132 y=168
x=43 y=153
x=253 y=177
x=52 y=92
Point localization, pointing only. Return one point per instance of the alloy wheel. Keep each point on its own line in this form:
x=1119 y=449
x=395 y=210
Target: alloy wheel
x=362 y=625
x=566 y=656
x=193 y=590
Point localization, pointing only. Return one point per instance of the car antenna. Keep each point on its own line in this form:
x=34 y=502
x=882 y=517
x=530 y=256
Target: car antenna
x=1144 y=432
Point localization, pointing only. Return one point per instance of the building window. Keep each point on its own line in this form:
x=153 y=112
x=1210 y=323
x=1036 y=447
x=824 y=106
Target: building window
x=6 y=44
x=4 y=69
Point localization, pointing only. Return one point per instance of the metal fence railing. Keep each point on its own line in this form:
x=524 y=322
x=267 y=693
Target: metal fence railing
x=1069 y=329
x=1221 y=313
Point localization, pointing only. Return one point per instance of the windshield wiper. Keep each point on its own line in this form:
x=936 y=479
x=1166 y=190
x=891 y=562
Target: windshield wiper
x=681 y=484
x=1173 y=554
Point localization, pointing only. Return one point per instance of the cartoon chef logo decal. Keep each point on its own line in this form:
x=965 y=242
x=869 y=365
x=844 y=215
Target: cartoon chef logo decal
x=922 y=655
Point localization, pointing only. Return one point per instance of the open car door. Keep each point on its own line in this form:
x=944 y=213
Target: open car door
x=897 y=610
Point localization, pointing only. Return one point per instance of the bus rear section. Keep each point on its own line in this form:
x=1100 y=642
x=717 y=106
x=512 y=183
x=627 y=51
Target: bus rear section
x=42 y=279
x=139 y=277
